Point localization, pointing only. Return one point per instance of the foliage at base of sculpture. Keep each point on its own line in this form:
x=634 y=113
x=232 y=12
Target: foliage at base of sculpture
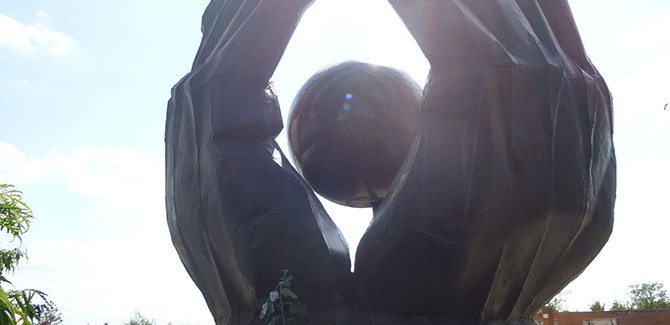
x=282 y=305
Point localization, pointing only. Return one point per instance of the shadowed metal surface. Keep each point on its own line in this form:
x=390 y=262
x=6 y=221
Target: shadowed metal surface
x=509 y=191
x=238 y=218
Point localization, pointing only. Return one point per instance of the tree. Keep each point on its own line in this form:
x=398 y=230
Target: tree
x=558 y=303
x=645 y=296
x=648 y=296
x=50 y=315
x=15 y=216
x=619 y=306
x=44 y=313
x=138 y=319
x=19 y=307
x=597 y=306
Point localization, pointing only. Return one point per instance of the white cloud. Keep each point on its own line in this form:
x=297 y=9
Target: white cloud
x=17 y=168
x=124 y=183
x=33 y=38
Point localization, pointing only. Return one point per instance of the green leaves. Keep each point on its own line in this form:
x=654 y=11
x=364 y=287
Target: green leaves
x=15 y=215
x=286 y=292
x=268 y=308
x=274 y=295
x=9 y=259
x=285 y=281
x=649 y=296
x=619 y=306
x=29 y=306
x=282 y=304
x=597 y=306
x=644 y=296
x=19 y=307
x=7 y=310
x=296 y=308
x=24 y=301
x=557 y=303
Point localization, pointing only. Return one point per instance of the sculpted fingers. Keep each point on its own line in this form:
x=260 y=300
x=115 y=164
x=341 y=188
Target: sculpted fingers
x=243 y=40
x=456 y=32
x=562 y=23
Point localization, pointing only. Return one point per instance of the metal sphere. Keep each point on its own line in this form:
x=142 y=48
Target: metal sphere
x=350 y=129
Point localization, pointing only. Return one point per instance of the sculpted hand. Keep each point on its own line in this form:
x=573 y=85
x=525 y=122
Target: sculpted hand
x=508 y=192
x=238 y=218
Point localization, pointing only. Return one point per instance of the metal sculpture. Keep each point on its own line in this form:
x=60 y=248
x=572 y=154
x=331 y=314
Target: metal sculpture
x=505 y=194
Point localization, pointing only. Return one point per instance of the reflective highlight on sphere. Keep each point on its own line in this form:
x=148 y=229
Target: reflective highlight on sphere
x=347 y=99
x=350 y=129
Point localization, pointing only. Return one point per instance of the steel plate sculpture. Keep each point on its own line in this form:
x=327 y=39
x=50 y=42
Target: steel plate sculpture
x=491 y=191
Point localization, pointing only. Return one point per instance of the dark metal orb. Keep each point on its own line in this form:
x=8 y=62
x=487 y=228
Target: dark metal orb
x=350 y=129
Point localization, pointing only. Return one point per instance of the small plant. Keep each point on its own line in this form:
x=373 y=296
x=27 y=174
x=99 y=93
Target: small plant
x=282 y=304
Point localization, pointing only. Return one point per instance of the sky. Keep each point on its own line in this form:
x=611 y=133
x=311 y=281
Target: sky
x=83 y=92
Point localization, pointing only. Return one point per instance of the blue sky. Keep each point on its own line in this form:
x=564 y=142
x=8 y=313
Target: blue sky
x=83 y=88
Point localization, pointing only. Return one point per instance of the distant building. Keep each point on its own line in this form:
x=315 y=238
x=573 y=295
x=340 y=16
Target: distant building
x=548 y=316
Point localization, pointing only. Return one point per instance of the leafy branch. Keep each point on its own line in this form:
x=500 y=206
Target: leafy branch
x=19 y=307
x=283 y=304
x=16 y=214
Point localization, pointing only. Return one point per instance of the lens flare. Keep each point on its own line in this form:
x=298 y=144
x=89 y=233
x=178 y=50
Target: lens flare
x=347 y=102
